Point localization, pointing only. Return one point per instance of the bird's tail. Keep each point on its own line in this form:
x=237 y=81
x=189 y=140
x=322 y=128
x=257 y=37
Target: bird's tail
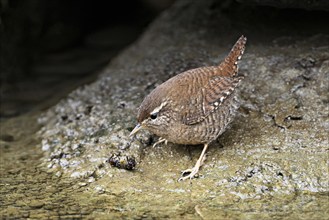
x=229 y=67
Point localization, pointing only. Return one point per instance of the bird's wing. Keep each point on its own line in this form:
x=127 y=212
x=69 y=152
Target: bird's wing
x=211 y=97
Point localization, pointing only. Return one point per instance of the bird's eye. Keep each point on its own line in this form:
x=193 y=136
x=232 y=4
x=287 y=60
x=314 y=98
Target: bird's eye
x=154 y=116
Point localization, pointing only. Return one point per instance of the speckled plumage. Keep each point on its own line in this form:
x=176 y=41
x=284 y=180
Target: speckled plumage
x=194 y=107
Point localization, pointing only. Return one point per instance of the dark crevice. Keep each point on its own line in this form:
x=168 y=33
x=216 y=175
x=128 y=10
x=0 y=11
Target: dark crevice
x=293 y=118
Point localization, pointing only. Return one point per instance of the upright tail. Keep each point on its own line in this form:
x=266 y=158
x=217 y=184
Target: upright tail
x=229 y=67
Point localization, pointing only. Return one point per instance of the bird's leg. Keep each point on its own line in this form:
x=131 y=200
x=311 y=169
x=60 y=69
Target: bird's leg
x=160 y=141
x=190 y=173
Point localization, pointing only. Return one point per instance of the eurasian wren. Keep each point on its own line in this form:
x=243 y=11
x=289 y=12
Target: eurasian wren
x=194 y=107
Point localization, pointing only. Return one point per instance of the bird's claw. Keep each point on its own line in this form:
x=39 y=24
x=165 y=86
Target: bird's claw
x=160 y=141
x=189 y=174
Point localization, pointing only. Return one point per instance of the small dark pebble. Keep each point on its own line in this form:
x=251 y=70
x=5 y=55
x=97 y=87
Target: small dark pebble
x=122 y=162
x=64 y=117
x=280 y=174
x=88 y=109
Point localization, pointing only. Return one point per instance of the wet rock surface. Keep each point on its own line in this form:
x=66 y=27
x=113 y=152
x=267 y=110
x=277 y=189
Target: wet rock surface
x=271 y=163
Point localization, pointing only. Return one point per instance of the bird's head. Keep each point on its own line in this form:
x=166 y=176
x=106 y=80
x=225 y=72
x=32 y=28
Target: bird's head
x=154 y=113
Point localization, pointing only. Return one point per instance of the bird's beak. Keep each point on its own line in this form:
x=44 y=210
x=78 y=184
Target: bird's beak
x=135 y=130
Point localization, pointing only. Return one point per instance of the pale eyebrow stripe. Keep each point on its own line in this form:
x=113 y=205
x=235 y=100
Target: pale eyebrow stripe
x=157 y=109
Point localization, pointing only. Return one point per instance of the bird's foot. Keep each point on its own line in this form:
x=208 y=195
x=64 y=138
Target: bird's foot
x=160 y=141
x=190 y=173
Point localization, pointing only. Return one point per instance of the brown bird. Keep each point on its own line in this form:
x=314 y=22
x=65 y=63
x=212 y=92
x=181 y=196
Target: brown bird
x=194 y=107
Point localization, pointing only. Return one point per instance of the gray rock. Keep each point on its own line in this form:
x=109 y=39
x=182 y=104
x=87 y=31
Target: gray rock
x=276 y=148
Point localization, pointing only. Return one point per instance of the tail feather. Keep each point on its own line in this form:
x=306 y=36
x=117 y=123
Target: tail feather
x=229 y=67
